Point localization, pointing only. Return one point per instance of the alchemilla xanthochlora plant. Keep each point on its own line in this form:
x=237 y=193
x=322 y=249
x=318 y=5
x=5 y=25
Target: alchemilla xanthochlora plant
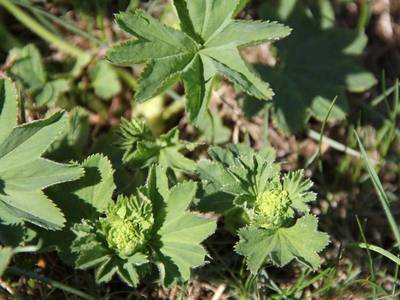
x=275 y=206
x=136 y=214
x=153 y=228
x=207 y=45
x=115 y=243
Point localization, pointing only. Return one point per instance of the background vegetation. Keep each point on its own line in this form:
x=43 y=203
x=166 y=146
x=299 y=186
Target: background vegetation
x=334 y=114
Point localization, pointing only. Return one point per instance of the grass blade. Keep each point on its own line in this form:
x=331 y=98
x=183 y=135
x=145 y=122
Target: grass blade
x=379 y=190
x=381 y=251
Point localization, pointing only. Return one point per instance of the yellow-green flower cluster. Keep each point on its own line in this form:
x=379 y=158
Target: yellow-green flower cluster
x=125 y=237
x=272 y=208
x=126 y=226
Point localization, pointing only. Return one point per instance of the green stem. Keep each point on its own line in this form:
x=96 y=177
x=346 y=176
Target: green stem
x=37 y=28
x=53 y=283
x=126 y=77
x=176 y=107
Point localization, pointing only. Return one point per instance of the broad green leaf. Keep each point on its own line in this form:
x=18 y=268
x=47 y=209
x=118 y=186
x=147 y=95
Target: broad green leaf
x=145 y=50
x=193 y=78
x=145 y=27
x=298 y=188
x=283 y=245
x=206 y=46
x=104 y=80
x=209 y=17
x=85 y=198
x=97 y=186
x=179 y=198
x=183 y=231
x=91 y=194
x=181 y=241
x=161 y=180
x=25 y=178
x=6 y=254
x=34 y=207
x=218 y=176
x=229 y=63
x=27 y=142
x=161 y=74
x=316 y=64
x=23 y=173
x=171 y=157
x=247 y=33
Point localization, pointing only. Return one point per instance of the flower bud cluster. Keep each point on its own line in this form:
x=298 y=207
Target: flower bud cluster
x=272 y=208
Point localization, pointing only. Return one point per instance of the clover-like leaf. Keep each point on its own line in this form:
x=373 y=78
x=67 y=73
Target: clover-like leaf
x=317 y=63
x=283 y=245
x=23 y=172
x=207 y=45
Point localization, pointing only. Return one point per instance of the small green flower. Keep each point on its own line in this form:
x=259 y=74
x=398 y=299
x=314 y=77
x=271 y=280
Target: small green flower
x=126 y=226
x=272 y=208
x=124 y=237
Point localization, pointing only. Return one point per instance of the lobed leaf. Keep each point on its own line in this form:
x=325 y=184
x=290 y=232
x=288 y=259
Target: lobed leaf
x=283 y=245
x=183 y=231
x=23 y=173
x=206 y=46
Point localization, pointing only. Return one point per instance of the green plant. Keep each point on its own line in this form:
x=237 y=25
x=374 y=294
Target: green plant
x=135 y=205
x=276 y=211
x=153 y=227
x=142 y=149
x=28 y=70
x=104 y=80
x=206 y=46
x=23 y=172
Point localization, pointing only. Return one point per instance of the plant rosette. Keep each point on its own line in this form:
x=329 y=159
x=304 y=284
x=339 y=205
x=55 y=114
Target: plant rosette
x=275 y=206
x=152 y=228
